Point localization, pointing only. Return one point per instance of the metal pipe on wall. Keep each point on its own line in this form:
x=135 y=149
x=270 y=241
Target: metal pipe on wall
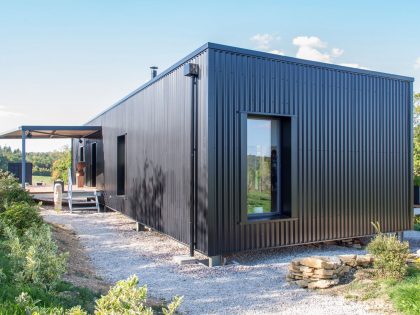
x=23 y=157
x=193 y=173
x=191 y=70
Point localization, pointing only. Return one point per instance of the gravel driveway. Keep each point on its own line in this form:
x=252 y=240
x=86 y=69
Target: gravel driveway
x=255 y=285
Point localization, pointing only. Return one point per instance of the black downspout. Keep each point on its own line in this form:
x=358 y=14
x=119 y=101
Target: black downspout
x=193 y=165
x=192 y=70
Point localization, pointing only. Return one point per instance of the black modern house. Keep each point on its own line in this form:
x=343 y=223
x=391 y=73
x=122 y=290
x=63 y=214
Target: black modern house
x=231 y=150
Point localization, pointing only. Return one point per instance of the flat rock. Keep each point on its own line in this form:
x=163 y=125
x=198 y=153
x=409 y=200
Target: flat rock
x=306 y=269
x=320 y=262
x=302 y=283
x=322 y=284
x=324 y=272
x=293 y=268
x=349 y=260
x=364 y=260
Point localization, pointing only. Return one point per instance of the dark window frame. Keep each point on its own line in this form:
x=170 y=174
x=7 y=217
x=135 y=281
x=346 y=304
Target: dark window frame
x=273 y=216
x=121 y=184
x=82 y=153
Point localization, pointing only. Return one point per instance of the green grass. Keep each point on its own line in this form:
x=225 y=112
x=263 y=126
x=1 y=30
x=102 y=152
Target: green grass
x=45 y=179
x=259 y=199
x=404 y=294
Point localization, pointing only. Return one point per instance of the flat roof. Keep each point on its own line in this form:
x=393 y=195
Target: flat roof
x=53 y=132
x=259 y=54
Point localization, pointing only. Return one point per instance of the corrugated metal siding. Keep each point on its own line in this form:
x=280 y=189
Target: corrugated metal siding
x=354 y=145
x=157 y=120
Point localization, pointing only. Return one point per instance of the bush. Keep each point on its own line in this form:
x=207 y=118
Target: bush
x=61 y=166
x=417 y=223
x=11 y=191
x=34 y=256
x=390 y=255
x=127 y=298
x=22 y=216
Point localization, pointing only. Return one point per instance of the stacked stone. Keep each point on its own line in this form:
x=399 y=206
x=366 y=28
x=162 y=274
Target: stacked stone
x=323 y=272
x=316 y=272
x=360 y=261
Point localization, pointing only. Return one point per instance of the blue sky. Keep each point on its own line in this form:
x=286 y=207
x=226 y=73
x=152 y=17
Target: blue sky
x=62 y=62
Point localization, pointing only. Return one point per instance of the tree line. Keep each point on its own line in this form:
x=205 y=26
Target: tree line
x=416 y=139
x=53 y=163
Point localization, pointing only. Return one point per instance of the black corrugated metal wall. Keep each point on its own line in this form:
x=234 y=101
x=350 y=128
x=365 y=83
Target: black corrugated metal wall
x=351 y=133
x=156 y=121
x=353 y=143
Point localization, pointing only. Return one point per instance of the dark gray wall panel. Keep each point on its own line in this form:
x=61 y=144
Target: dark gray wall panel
x=156 y=121
x=353 y=138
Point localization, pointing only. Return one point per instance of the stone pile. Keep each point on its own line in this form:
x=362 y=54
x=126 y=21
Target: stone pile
x=318 y=272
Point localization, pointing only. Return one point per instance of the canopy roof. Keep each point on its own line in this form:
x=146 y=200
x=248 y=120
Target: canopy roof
x=51 y=132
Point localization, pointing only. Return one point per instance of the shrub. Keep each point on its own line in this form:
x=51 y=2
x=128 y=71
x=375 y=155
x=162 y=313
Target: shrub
x=5 y=174
x=60 y=166
x=390 y=255
x=127 y=298
x=34 y=256
x=22 y=216
x=11 y=191
x=417 y=223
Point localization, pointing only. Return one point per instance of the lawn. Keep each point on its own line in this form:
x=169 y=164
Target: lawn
x=404 y=294
x=44 y=179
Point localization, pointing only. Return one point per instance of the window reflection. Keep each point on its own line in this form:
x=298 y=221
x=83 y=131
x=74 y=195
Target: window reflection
x=262 y=170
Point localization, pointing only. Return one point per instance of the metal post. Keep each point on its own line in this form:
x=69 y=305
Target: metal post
x=191 y=70
x=192 y=170
x=23 y=158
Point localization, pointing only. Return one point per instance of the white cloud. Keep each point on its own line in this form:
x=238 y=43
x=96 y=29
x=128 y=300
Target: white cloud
x=313 y=48
x=309 y=47
x=277 y=52
x=6 y=113
x=309 y=41
x=353 y=65
x=336 y=52
x=262 y=41
x=417 y=64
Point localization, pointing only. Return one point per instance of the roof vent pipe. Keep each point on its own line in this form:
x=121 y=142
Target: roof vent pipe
x=153 y=71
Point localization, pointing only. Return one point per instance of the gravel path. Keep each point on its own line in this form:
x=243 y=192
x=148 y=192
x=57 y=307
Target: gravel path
x=255 y=285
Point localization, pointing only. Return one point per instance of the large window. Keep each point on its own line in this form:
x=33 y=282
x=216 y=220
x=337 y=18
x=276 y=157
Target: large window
x=121 y=168
x=268 y=167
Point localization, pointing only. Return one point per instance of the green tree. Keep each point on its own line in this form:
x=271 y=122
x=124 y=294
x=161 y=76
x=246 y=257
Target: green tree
x=61 y=165
x=416 y=138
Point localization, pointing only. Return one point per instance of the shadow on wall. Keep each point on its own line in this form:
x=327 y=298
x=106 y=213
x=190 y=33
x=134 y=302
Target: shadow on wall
x=147 y=196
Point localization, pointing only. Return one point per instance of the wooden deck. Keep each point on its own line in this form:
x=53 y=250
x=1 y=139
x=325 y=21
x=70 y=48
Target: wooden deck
x=45 y=194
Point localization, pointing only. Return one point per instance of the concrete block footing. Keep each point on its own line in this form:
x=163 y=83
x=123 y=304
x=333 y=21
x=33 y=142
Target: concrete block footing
x=215 y=261
x=185 y=260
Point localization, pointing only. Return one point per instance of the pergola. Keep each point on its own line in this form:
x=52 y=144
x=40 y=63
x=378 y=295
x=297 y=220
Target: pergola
x=49 y=132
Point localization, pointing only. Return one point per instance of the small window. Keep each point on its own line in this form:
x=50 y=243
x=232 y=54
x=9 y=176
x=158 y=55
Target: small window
x=121 y=169
x=268 y=167
x=82 y=154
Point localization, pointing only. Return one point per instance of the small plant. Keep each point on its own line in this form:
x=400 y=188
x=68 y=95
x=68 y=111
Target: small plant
x=22 y=216
x=11 y=192
x=390 y=255
x=34 y=256
x=417 y=223
x=127 y=298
